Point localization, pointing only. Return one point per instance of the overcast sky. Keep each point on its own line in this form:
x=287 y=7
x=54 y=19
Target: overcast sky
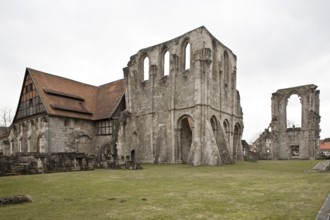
x=278 y=43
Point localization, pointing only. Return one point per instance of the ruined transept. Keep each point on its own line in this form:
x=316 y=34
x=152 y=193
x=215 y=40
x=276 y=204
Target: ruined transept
x=282 y=141
x=188 y=114
x=177 y=103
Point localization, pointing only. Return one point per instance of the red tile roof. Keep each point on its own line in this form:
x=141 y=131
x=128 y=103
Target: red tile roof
x=108 y=98
x=68 y=98
x=325 y=145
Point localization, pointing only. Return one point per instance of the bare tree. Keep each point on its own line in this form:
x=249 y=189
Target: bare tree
x=6 y=117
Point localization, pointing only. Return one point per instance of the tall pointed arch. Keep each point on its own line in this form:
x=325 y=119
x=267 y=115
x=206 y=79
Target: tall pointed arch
x=146 y=65
x=227 y=128
x=184 y=138
x=187 y=55
x=215 y=128
x=226 y=67
x=237 y=149
x=166 y=63
x=293 y=111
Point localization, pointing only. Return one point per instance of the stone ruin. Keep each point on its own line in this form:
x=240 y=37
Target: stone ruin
x=35 y=163
x=250 y=152
x=11 y=200
x=279 y=141
x=177 y=103
x=182 y=105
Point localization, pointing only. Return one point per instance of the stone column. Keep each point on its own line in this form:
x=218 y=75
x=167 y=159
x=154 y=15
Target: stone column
x=178 y=155
x=201 y=70
x=174 y=68
x=153 y=73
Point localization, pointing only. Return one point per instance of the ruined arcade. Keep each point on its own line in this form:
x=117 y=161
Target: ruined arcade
x=279 y=141
x=190 y=113
x=177 y=103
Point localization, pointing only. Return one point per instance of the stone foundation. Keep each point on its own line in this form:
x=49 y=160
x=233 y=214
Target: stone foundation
x=34 y=163
x=14 y=200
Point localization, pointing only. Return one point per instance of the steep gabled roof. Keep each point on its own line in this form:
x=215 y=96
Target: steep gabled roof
x=64 y=97
x=108 y=98
x=68 y=98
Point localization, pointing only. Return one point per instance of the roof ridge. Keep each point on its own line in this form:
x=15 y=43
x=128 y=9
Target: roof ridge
x=62 y=77
x=110 y=82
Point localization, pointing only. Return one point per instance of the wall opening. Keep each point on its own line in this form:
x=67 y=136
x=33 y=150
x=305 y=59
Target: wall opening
x=293 y=112
x=185 y=134
x=214 y=125
x=294 y=151
x=133 y=156
x=227 y=130
x=186 y=139
x=41 y=144
x=226 y=67
x=166 y=63
x=215 y=62
x=237 y=141
x=146 y=68
x=187 y=56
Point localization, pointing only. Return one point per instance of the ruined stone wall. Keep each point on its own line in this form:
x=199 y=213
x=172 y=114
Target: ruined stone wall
x=29 y=135
x=71 y=135
x=104 y=150
x=4 y=146
x=158 y=105
x=282 y=142
x=34 y=163
x=4 y=142
x=49 y=134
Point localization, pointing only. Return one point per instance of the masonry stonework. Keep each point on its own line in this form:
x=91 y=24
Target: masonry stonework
x=279 y=141
x=183 y=109
x=192 y=115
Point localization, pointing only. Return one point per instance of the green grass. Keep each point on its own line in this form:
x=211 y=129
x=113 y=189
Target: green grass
x=262 y=190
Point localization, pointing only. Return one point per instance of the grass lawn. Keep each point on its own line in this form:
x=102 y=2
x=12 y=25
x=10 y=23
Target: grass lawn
x=262 y=190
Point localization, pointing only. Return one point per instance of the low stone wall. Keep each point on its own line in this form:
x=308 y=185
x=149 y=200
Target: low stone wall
x=33 y=163
x=14 y=200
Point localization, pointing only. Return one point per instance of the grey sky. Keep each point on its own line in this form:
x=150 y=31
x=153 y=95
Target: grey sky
x=279 y=43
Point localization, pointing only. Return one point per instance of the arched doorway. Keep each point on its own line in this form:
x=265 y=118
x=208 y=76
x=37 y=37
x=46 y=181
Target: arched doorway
x=237 y=155
x=185 y=134
x=293 y=112
x=227 y=130
x=104 y=156
x=41 y=141
x=133 y=156
x=214 y=124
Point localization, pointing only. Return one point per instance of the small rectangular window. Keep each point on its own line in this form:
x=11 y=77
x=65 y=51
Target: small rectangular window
x=104 y=127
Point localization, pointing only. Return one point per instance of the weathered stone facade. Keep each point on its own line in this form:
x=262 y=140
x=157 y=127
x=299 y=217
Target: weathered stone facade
x=4 y=142
x=281 y=142
x=58 y=115
x=191 y=114
x=49 y=134
x=34 y=163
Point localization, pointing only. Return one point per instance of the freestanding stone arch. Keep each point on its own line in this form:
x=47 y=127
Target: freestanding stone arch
x=296 y=142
